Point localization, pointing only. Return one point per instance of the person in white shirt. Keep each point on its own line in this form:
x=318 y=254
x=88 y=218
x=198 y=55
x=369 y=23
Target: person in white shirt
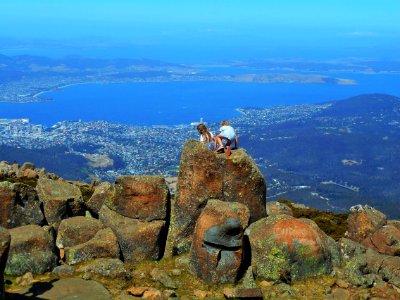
x=228 y=135
x=206 y=137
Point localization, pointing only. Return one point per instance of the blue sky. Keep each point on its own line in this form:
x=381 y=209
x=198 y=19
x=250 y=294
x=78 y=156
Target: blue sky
x=208 y=25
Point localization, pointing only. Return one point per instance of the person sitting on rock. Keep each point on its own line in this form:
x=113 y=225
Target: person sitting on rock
x=206 y=137
x=227 y=135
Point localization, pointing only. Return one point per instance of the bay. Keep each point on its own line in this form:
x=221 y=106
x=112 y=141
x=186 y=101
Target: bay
x=173 y=103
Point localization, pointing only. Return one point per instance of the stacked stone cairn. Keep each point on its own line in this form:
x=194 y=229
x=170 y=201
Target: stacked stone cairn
x=219 y=217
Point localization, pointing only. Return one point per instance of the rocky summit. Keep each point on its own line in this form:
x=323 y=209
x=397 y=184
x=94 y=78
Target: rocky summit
x=203 y=175
x=216 y=238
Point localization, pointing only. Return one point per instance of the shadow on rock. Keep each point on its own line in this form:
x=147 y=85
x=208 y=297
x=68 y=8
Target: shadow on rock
x=33 y=292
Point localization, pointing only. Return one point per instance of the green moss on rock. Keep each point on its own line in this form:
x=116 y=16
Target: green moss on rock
x=28 y=181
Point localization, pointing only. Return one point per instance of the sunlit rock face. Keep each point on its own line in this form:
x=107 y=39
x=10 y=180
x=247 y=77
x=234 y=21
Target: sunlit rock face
x=140 y=197
x=137 y=210
x=371 y=228
x=205 y=175
x=363 y=221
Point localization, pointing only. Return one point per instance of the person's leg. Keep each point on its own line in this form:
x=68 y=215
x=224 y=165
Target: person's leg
x=228 y=151
x=218 y=141
x=228 y=146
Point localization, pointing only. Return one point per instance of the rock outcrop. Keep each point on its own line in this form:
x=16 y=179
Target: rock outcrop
x=371 y=228
x=204 y=175
x=32 y=249
x=285 y=248
x=220 y=211
x=139 y=240
x=365 y=267
x=19 y=205
x=385 y=240
x=363 y=221
x=217 y=254
x=137 y=210
x=27 y=170
x=60 y=200
x=140 y=197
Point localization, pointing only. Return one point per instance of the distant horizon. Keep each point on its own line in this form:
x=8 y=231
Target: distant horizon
x=210 y=31
x=299 y=54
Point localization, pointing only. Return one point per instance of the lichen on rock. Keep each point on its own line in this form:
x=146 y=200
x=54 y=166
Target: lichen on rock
x=285 y=248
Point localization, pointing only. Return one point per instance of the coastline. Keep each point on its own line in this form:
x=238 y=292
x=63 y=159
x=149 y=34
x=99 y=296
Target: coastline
x=264 y=79
x=61 y=87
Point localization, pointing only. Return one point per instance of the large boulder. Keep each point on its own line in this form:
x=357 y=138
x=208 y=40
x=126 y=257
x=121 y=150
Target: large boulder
x=216 y=254
x=205 y=175
x=19 y=205
x=385 y=240
x=103 y=245
x=140 y=197
x=364 y=221
x=102 y=192
x=285 y=248
x=60 y=200
x=77 y=230
x=139 y=240
x=5 y=239
x=32 y=250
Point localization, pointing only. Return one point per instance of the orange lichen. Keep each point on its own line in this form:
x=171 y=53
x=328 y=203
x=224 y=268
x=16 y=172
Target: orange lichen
x=291 y=231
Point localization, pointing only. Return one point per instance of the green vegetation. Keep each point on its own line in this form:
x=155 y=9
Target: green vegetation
x=55 y=159
x=332 y=224
x=28 y=181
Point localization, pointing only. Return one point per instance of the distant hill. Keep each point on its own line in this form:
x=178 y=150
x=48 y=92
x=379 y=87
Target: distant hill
x=331 y=155
x=364 y=105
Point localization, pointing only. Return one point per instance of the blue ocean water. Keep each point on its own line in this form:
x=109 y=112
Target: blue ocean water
x=172 y=103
